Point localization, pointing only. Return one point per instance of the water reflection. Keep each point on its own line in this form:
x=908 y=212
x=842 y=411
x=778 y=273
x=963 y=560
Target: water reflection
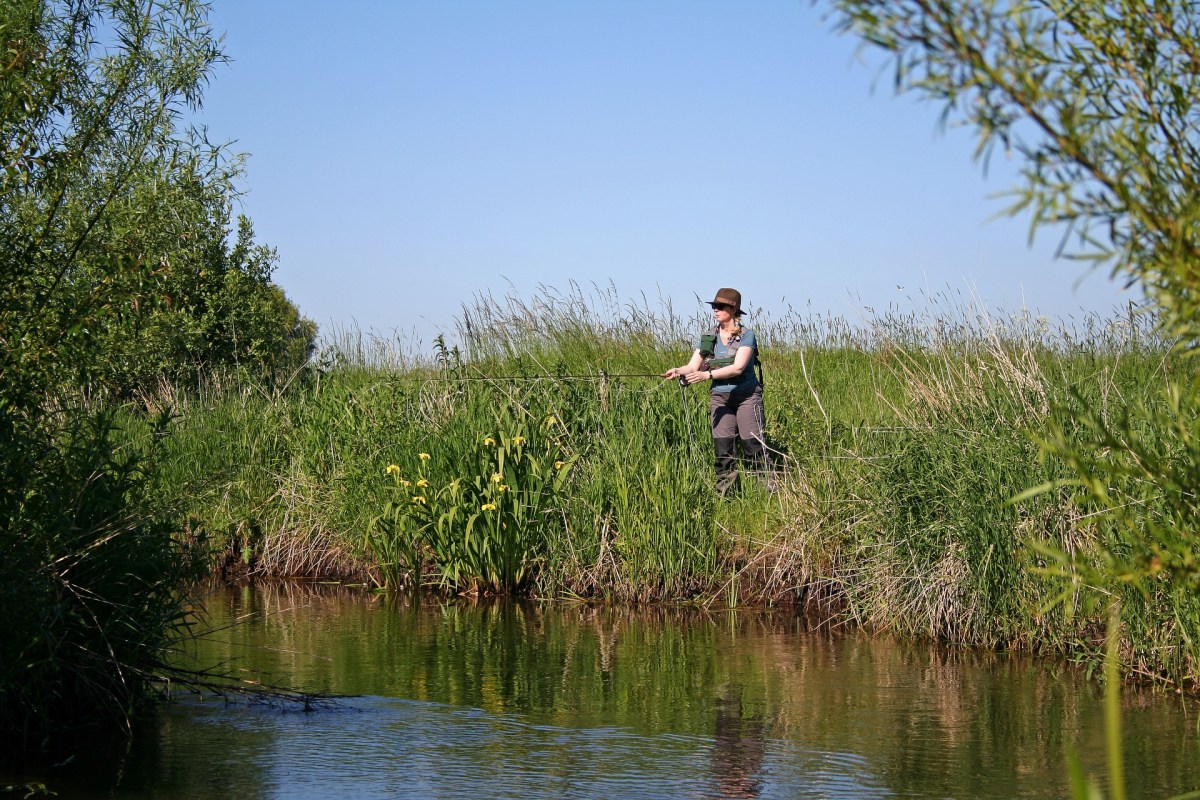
x=546 y=700
x=739 y=744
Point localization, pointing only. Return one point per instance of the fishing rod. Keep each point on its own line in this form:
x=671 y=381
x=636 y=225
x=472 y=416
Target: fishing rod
x=602 y=375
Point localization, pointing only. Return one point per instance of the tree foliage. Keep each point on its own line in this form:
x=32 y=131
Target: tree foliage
x=116 y=270
x=1100 y=101
x=114 y=221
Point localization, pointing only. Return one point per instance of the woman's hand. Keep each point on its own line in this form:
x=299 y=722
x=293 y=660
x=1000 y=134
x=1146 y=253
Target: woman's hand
x=682 y=373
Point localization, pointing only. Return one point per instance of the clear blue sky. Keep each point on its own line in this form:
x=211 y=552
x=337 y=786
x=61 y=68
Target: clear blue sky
x=404 y=156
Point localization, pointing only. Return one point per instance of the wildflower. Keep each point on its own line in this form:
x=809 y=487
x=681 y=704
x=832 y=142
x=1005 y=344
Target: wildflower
x=392 y=469
x=488 y=507
x=518 y=441
x=419 y=499
x=502 y=488
x=405 y=483
x=559 y=464
x=422 y=483
x=424 y=456
x=549 y=420
x=490 y=442
x=497 y=477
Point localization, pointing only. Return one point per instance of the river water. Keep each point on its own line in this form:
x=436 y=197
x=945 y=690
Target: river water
x=553 y=700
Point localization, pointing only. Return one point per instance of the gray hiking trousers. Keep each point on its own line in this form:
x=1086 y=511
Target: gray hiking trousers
x=738 y=416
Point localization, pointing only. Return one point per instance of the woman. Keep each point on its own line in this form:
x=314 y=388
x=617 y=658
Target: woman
x=726 y=357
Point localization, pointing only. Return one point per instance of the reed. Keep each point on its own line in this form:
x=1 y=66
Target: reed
x=901 y=442
x=95 y=579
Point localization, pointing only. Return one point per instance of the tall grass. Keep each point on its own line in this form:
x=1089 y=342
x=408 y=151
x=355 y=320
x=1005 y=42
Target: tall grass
x=94 y=580
x=901 y=442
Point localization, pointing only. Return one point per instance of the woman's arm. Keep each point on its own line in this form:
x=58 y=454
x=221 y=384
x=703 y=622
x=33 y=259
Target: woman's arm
x=741 y=360
x=691 y=371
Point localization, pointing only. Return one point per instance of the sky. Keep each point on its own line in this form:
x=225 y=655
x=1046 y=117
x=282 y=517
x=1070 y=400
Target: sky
x=407 y=157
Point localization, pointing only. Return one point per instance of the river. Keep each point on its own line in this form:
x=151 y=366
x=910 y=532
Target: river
x=558 y=700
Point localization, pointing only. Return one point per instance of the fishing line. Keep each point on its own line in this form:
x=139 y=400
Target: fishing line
x=686 y=415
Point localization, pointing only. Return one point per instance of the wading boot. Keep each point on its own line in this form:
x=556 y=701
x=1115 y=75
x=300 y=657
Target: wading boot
x=727 y=473
x=758 y=461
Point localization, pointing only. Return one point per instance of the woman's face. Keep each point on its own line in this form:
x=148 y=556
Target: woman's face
x=722 y=312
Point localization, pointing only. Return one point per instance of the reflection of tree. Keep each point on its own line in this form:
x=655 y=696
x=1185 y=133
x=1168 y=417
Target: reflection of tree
x=738 y=747
x=920 y=719
x=180 y=750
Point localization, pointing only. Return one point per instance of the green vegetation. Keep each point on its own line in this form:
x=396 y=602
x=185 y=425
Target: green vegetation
x=484 y=531
x=902 y=445
x=1100 y=102
x=115 y=276
x=943 y=473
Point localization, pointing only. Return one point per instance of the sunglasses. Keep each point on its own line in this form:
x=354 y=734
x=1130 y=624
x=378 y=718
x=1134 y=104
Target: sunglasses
x=721 y=306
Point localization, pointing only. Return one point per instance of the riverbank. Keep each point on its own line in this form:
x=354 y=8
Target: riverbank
x=901 y=444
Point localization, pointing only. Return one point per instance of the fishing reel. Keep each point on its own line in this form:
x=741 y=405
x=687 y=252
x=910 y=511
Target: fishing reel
x=705 y=366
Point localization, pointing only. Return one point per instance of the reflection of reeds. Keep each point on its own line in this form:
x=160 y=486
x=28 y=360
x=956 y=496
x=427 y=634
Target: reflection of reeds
x=900 y=440
x=924 y=719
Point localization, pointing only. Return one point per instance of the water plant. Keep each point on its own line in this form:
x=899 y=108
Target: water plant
x=95 y=578
x=483 y=532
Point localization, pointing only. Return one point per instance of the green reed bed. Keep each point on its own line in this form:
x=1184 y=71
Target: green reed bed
x=537 y=453
x=91 y=572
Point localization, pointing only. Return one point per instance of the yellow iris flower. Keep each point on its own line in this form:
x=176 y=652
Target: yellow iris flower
x=424 y=456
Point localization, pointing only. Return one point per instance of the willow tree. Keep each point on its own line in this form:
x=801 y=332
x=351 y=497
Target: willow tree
x=1098 y=102
x=113 y=222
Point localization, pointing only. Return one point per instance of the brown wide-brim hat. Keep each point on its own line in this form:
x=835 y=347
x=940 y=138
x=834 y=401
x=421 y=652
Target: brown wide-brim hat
x=730 y=297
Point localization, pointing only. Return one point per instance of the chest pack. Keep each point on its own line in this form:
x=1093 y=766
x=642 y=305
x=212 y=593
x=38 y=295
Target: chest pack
x=708 y=346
